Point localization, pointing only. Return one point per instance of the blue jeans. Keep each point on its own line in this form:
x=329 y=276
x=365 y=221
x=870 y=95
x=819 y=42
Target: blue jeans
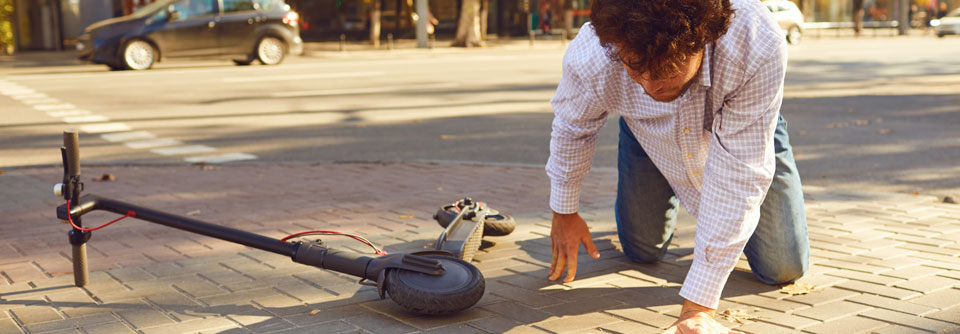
x=646 y=211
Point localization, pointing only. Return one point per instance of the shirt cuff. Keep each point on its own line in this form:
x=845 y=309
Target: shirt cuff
x=704 y=284
x=564 y=197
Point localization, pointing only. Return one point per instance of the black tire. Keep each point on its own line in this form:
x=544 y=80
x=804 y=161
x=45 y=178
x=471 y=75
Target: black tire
x=271 y=50
x=138 y=55
x=794 y=35
x=245 y=62
x=460 y=287
x=495 y=225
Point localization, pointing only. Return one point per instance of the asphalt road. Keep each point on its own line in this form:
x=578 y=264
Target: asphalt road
x=869 y=114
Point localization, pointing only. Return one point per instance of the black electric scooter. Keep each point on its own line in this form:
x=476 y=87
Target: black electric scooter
x=431 y=282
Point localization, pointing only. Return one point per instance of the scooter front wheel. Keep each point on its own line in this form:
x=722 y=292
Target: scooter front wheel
x=458 y=288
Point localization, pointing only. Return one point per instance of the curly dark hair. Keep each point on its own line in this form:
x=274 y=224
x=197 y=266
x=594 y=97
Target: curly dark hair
x=657 y=36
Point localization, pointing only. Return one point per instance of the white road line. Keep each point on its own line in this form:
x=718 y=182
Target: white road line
x=105 y=128
x=293 y=77
x=48 y=107
x=152 y=143
x=177 y=150
x=68 y=113
x=30 y=96
x=216 y=159
x=18 y=92
x=383 y=89
x=126 y=136
x=40 y=101
x=86 y=119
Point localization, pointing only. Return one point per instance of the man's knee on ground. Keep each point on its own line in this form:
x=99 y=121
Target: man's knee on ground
x=642 y=256
x=783 y=274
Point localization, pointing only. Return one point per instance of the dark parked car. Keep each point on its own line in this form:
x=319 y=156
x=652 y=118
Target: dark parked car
x=242 y=30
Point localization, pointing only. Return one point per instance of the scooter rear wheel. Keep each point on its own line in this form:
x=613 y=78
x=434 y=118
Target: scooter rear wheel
x=458 y=288
x=496 y=224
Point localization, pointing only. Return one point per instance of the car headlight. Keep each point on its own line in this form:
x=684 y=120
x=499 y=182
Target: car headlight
x=934 y=23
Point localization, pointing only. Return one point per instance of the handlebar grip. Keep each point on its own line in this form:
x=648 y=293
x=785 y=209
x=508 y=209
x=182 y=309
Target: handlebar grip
x=71 y=141
x=80 y=265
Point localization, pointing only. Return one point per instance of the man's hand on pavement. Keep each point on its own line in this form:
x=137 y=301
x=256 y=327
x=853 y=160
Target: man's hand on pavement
x=567 y=232
x=696 y=319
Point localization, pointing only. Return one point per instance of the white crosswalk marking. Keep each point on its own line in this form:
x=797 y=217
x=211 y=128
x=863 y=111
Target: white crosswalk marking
x=152 y=143
x=105 y=128
x=86 y=119
x=69 y=113
x=216 y=159
x=179 y=150
x=48 y=107
x=127 y=136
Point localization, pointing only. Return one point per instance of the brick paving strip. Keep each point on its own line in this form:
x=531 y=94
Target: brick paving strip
x=883 y=263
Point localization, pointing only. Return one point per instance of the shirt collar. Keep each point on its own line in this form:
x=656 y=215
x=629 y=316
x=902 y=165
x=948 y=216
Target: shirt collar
x=705 y=66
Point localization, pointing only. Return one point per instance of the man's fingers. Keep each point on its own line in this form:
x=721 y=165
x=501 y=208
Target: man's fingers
x=571 y=265
x=561 y=262
x=590 y=247
x=553 y=263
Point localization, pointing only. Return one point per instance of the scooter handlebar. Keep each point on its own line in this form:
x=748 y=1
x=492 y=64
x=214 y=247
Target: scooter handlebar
x=71 y=143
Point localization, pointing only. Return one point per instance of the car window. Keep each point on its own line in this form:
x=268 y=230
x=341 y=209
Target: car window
x=187 y=9
x=270 y=4
x=955 y=13
x=230 y=6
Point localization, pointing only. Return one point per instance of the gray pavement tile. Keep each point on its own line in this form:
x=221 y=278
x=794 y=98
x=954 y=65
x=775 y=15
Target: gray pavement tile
x=865 y=277
x=929 y=284
x=897 y=329
x=8 y=326
x=320 y=315
x=260 y=322
x=877 y=289
x=29 y=315
x=908 y=320
x=145 y=318
x=629 y=327
x=822 y=296
x=892 y=304
x=833 y=311
x=783 y=319
x=71 y=323
x=516 y=311
x=765 y=328
x=108 y=327
x=378 y=323
x=769 y=303
x=949 y=315
x=644 y=316
x=940 y=299
x=576 y=322
x=584 y=306
x=454 y=329
x=331 y=327
x=913 y=272
x=209 y=325
x=495 y=324
x=848 y=325
x=525 y=330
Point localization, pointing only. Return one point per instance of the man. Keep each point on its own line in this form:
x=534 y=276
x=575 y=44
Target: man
x=698 y=85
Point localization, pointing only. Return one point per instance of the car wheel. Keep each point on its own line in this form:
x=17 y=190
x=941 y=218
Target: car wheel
x=138 y=55
x=794 y=35
x=941 y=35
x=271 y=50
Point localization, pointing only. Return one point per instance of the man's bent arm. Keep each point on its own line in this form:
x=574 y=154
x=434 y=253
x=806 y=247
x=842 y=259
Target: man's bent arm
x=738 y=173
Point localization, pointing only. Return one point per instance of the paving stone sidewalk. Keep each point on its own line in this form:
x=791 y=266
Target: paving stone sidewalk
x=882 y=263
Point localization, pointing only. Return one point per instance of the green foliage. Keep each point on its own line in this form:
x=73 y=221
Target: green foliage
x=6 y=26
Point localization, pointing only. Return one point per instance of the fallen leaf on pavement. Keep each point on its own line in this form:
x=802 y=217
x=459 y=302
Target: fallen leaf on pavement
x=439 y=188
x=797 y=289
x=105 y=178
x=314 y=312
x=193 y=213
x=861 y=122
x=737 y=315
x=1 y=172
x=406 y=216
x=801 y=133
x=838 y=125
x=445 y=137
x=884 y=131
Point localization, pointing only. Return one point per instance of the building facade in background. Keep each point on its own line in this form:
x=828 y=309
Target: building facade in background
x=55 y=24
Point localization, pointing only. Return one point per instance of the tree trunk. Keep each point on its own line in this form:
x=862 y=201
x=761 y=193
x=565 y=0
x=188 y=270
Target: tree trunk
x=468 y=29
x=484 y=12
x=375 y=24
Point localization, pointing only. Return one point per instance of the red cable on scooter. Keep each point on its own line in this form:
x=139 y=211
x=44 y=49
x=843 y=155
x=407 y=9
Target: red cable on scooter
x=70 y=219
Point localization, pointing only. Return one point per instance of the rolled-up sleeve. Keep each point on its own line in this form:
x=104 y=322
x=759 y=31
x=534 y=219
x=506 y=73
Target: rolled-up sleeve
x=738 y=173
x=578 y=117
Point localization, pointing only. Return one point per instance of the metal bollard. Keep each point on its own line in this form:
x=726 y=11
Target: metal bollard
x=432 y=42
x=343 y=43
x=531 y=37
x=389 y=41
x=563 y=38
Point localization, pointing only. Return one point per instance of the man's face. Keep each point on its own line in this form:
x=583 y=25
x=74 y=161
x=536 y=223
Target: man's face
x=670 y=87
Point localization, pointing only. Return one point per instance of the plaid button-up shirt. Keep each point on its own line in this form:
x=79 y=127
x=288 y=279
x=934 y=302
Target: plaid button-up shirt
x=713 y=144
